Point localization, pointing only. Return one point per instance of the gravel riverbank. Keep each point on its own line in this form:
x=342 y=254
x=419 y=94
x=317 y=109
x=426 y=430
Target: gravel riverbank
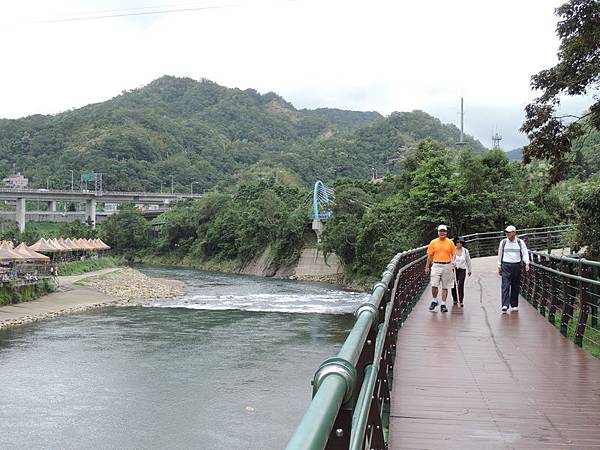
x=108 y=287
x=131 y=287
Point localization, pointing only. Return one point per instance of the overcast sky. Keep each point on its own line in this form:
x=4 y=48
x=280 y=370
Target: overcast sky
x=361 y=55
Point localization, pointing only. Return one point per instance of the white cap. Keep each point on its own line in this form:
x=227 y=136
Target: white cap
x=510 y=228
x=442 y=227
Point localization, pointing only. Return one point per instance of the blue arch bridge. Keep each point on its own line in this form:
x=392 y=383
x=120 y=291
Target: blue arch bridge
x=472 y=378
x=322 y=202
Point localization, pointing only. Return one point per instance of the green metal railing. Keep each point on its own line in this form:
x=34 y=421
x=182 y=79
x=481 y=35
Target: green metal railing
x=351 y=392
x=486 y=244
x=565 y=290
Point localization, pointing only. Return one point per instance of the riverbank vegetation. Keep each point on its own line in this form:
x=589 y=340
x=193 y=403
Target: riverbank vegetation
x=270 y=209
x=11 y=293
x=89 y=265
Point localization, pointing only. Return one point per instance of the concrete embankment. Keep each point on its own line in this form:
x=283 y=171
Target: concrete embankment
x=107 y=287
x=314 y=266
x=311 y=266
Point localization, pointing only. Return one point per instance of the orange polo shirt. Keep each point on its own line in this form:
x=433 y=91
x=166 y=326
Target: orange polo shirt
x=441 y=250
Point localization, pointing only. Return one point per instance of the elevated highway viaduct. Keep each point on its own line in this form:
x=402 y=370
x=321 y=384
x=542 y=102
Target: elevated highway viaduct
x=90 y=198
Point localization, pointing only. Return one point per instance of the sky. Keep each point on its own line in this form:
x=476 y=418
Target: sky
x=367 y=55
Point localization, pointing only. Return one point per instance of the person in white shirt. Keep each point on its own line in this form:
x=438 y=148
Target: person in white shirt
x=462 y=266
x=512 y=254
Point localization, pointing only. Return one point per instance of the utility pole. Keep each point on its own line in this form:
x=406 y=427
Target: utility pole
x=171 y=184
x=72 y=179
x=462 y=115
x=161 y=185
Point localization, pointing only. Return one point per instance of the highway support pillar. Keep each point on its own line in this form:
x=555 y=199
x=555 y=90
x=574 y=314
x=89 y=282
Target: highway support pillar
x=20 y=214
x=90 y=212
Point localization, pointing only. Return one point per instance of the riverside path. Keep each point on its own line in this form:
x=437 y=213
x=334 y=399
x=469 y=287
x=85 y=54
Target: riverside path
x=474 y=378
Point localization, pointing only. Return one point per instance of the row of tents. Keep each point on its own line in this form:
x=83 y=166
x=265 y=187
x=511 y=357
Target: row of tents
x=69 y=245
x=40 y=251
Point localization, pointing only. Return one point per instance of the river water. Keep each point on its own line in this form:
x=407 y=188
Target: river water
x=227 y=366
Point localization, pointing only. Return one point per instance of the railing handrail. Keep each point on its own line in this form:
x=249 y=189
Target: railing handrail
x=520 y=231
x=566 y=290
x=334 y=381
x=582 y=261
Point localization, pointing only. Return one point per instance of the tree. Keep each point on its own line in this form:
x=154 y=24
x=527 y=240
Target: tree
x=576 y=73
x=587 y=202
x=126 y=232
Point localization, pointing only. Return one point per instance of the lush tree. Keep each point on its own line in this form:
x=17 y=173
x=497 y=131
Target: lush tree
x=126 y=232
x=76 y=229
x=576 y=73
x=587 y=204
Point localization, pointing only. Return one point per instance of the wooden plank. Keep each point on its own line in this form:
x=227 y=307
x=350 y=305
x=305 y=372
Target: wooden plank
x=475 y=378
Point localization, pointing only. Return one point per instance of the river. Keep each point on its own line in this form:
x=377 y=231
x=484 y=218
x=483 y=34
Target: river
x=227 y=366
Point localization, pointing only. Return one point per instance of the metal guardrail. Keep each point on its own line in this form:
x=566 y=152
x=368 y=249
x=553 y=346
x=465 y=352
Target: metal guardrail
x=351 y=392
x=486 y=244
x=566 y=291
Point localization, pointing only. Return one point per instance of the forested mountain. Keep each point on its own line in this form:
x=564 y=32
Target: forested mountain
x=199 y=132
x=516 y=154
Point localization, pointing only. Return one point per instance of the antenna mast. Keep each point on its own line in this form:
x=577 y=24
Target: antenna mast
x=462 y=116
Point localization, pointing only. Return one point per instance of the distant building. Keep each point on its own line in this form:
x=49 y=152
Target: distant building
x=111 y=207
x=17 y=181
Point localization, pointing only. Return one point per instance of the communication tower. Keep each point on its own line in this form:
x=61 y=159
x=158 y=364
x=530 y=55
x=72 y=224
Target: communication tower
x=496 y=138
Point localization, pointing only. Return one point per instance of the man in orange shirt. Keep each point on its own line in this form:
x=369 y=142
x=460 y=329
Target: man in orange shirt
x=439 y=264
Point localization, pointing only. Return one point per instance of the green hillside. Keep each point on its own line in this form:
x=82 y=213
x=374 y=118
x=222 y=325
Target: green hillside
x=200 y=132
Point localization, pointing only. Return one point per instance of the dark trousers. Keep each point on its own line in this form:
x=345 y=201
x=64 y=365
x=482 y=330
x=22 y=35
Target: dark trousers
x=511 y=281
x=460 y=279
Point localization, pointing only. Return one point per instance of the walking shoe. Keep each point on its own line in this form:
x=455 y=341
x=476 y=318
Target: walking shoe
x=504 y=309
x=432 y=306
x=514 y=308
x=455 y=302
x=462 y=305
x=443 y=308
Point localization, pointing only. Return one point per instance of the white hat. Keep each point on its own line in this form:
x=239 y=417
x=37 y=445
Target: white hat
x=442 y=227
x=510 y=228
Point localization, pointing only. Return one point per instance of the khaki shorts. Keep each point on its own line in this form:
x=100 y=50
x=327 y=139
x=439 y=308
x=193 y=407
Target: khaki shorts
x=442 y=276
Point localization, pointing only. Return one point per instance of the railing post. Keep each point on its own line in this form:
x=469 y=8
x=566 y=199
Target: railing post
x=594 y=294
x=567 y=309
x=584 y=308
x=543 y=288
x=535 y=288
x=554 y=295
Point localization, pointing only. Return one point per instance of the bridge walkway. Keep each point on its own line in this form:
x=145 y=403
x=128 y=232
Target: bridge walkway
x=474 y=378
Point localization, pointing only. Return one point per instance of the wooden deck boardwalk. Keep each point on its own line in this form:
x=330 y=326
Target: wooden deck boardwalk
x=474 y=378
